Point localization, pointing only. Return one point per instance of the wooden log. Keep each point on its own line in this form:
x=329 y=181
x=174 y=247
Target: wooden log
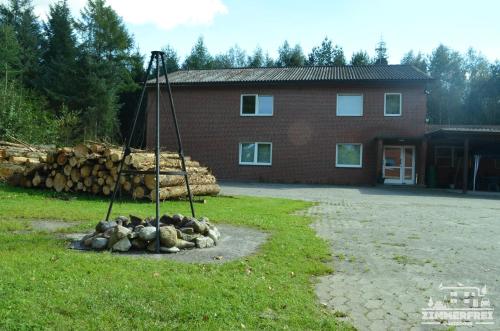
x=69 y=183
x=175 y=192
x=59 y=182
x=85 y=171
x=97 y=148
x=109 y=164
x=37 y=180
x=81 y=151
x=95 y=169
x=106 y=190
x=75 y=175
x=87 y=181
x=67 y=169
x=79 y=186
x=8 y=169
x=95 y=189
x=62 y=158
x=138 y=192
x=18 y=159
x=100 y=181
x=127 y=186
x=73 y=161
x=49 y=182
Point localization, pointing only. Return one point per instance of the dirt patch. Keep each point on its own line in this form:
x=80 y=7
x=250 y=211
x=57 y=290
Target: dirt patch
x=50 y=225
x=236 y=242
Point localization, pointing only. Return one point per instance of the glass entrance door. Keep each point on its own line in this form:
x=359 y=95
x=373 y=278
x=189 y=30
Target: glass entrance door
x=399 y=165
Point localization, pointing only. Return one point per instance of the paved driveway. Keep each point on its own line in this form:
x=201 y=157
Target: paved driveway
x=394 y=247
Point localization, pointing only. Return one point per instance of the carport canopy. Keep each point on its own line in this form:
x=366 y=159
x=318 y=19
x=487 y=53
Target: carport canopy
x=486 y=138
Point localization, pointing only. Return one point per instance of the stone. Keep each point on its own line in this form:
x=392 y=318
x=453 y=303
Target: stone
x=119 y=232
x=189 y=237
x=183 y=244
x=122 y=220
x=168 y=236
x=138 y=228
x=177 y=218
x=107 y=234
x=102 y=226
x=187 y=230
x=147 y=233
x=99 y=243
x=87 y=239
x=133 y=235
x=135 y=221
x=213 y=235
x=198 y=227
x=152 y=247
x=204 y=242
x=123 y=245
x=169 y=249
x=168 y=220
x=138 y=244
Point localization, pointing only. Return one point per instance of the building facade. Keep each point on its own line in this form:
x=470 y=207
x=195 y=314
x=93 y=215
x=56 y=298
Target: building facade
x=338 y=125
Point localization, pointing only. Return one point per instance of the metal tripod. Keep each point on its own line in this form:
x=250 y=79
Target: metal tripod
x=156 y=56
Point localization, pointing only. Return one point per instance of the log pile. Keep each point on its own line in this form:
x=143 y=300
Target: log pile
x=94 y=168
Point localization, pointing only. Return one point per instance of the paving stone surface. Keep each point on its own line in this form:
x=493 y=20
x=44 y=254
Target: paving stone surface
x=394 y=247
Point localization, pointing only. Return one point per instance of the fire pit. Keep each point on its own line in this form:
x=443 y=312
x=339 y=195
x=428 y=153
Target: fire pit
x=134 y=233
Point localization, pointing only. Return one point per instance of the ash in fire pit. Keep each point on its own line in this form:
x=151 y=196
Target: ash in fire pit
x=176 y=232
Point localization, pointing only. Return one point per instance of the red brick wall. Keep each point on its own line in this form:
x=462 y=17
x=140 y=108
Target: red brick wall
x=303 y=130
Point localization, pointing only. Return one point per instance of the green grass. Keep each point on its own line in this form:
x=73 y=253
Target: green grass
x=43 y=285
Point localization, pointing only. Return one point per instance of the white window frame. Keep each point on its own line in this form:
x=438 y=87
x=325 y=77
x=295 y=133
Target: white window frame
x=255 y=163
x=256 y=104
x=350 y=94
x=400 y=104
x=360 y=165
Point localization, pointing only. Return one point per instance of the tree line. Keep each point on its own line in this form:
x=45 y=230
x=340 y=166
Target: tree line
x=68 y=78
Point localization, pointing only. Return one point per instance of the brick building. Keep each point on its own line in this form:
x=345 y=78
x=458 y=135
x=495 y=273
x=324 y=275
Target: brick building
x=338 y=125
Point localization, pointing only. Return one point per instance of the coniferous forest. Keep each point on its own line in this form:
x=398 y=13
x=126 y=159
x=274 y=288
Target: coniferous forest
x=64 y=79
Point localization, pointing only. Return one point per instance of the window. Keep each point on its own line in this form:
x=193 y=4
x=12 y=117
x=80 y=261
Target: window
x=256 y=105
x=349 y=156
x=392 y=104
x=349 y=105
x=255 y=153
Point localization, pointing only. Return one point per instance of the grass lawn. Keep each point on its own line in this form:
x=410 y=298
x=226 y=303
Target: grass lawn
x=43 y=285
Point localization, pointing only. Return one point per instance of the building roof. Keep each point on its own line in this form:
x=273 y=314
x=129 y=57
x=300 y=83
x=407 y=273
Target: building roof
x=298 y=74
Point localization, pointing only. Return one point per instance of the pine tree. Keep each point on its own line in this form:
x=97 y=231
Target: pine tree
x=257 y=59
x=104 y=64
x=419 y=60
x=199 y=58
x=59 y=57
x=360 y=58
x=290 y=57
x=171 y=59
x=20 y=16
x=326 y=54
x=9 y=53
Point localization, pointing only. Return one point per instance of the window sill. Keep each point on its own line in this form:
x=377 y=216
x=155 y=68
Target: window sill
x=392 y=115
x=348 y=166
x=256 y=115
x=256 y=164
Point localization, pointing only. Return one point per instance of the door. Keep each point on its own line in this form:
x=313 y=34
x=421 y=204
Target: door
x=399 y=165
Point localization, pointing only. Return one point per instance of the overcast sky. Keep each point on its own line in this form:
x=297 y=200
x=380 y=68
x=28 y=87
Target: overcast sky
x=353 y=24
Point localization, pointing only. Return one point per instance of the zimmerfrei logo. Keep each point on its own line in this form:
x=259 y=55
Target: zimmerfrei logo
x=460 y=305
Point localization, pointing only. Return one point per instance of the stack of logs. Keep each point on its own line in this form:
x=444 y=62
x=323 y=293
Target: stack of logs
x=94 y=168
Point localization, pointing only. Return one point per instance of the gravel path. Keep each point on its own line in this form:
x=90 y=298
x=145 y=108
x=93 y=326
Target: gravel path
x=393 y=248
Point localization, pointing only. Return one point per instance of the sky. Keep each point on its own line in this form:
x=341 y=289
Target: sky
x=354 y=25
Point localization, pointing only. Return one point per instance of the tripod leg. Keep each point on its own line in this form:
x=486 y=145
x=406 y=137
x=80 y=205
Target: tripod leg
x=126 y=149
x=179 y=141
x=157 y=152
